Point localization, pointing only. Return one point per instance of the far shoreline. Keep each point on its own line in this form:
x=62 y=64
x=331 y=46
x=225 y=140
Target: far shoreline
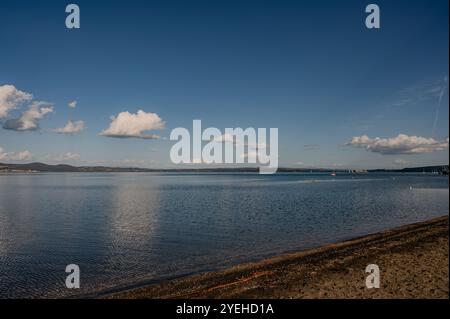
x=38 y=167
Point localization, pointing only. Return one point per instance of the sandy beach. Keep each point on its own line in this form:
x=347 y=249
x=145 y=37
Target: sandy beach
x=413 y=262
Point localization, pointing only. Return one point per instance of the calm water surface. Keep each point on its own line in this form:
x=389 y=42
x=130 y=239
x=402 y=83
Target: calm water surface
x=129 y=229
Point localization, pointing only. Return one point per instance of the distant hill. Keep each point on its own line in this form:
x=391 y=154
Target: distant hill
x=441 y=169
x=41 y=167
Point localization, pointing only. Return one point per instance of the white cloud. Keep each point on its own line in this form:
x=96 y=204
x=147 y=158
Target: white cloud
x=230 y=138
x=401 y=144
x=62 y=157
x=127 y=125
x=29 y=120
x=252 y=155
x=73 y=104
x=10 y=98
x=400 y=161
x=224 y=138
x=71 y=128
x=68 y=157
x=15 y=156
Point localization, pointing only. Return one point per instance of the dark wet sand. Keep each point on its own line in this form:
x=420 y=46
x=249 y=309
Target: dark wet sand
x=413 y=262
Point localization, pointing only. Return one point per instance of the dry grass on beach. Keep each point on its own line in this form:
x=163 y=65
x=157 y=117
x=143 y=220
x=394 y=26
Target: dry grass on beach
x=413 y=262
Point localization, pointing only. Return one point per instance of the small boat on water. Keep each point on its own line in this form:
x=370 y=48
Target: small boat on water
x=333 y=174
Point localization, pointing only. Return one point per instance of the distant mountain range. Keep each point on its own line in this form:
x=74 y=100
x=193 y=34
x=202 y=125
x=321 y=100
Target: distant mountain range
x=41 y=167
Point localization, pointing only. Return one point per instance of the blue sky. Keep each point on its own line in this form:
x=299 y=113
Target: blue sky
x=310 y=68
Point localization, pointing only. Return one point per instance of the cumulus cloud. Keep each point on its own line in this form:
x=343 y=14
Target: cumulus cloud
x=71 y=128
x=73 y=104
x=15 y=156
x=128 y=125
x=10 y=98
x=401 y=144
x=29 y=120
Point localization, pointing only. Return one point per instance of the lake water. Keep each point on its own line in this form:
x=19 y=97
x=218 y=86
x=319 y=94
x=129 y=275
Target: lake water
x=130 y=229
